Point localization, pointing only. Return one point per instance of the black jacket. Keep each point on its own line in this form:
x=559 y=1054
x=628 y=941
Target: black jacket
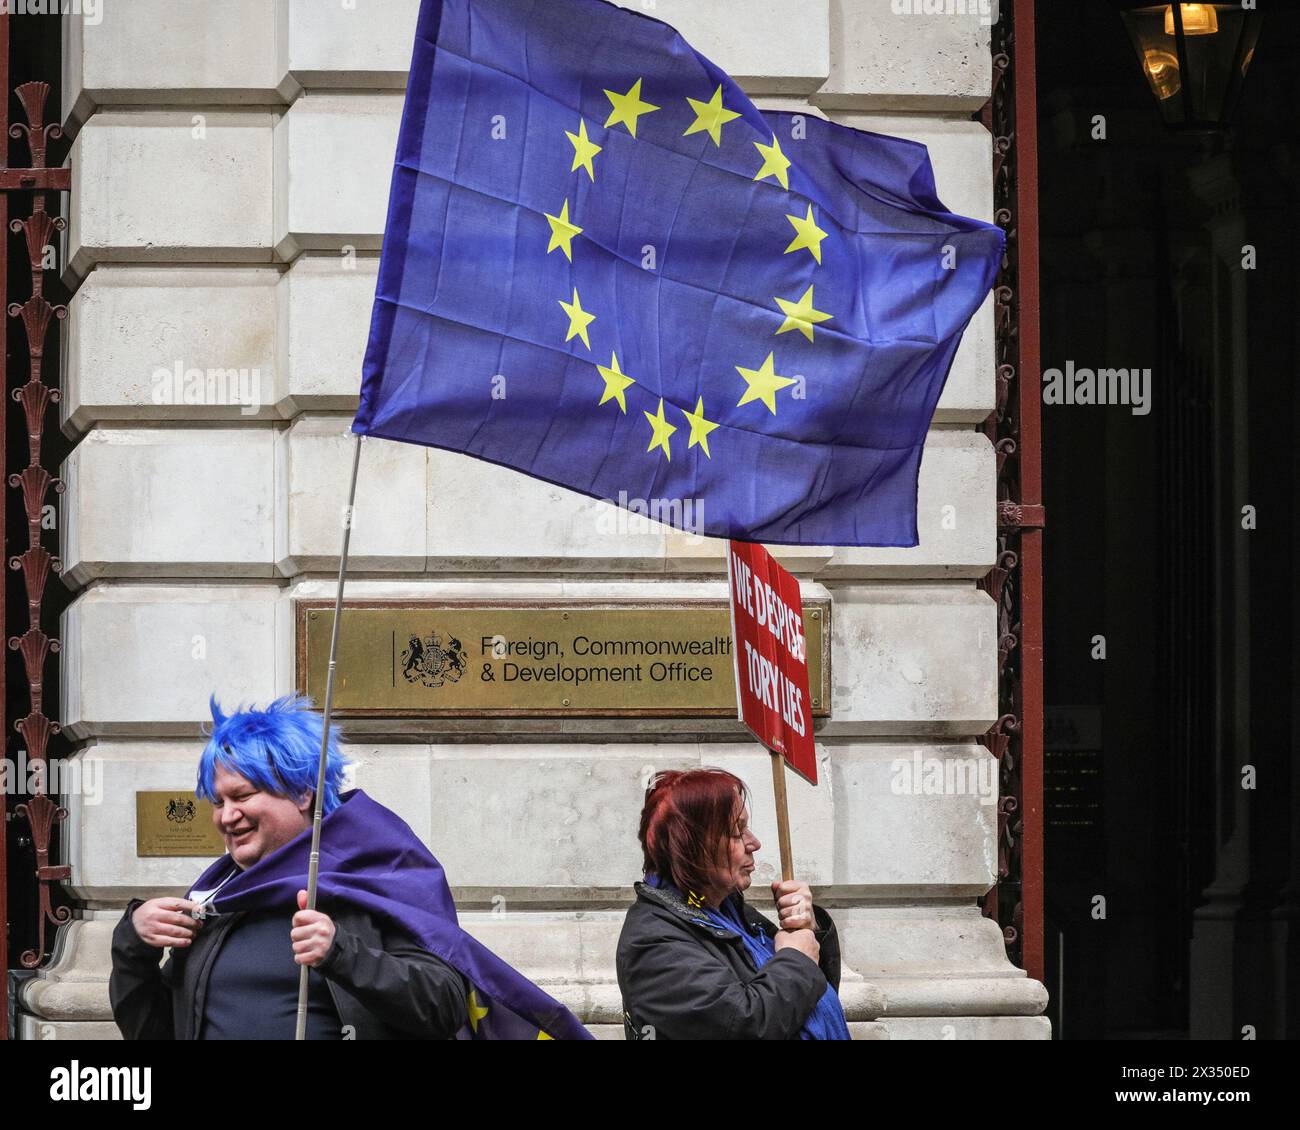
x=683 y=978
x=384 y=986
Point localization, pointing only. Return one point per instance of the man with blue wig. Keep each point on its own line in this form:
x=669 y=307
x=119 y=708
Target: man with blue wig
x=388 y=959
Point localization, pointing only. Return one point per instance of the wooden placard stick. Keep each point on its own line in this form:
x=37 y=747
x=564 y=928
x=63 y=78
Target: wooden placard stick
x=782 y=815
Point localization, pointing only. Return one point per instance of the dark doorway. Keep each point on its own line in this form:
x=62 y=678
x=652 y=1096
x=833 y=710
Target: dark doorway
x=1171 y=618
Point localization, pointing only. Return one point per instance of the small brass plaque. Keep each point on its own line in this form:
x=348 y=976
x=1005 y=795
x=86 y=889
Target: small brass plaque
x=430 y=660
x=175 y=823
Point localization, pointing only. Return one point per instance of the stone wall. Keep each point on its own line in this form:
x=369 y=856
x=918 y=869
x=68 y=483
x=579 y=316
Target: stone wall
x=230 y=172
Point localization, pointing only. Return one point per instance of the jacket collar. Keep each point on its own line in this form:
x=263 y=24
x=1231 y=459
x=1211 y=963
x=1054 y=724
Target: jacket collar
x=671 y=901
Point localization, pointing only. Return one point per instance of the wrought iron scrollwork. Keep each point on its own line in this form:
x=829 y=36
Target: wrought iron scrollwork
x=36 y=484
x=1006 y=581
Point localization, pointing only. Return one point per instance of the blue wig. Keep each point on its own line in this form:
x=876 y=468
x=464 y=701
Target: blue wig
x=276 y=749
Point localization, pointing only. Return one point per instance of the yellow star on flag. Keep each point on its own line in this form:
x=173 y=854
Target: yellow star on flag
x=801 y=315
x=562 y=232
x=763 y=384
x=476 y=1013
x=584 y=149
x=579 y=319
x=810 y=235
x=543 y=1036
x=628 y=108
x=775 y=163
x=615 y=382
x=700 y=427
x=662 y=430
x=711 y=116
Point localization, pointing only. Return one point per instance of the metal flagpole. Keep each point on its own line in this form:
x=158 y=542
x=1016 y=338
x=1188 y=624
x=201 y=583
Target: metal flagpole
x=313 y=869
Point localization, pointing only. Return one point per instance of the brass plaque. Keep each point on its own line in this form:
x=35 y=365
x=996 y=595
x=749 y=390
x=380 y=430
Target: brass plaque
x=512 y=659
x=172 y=823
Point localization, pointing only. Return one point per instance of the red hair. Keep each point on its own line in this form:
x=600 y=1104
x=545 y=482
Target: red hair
x=687 y=819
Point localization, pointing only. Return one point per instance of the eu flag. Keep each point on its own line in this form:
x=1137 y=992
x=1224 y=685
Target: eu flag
x=606 y=268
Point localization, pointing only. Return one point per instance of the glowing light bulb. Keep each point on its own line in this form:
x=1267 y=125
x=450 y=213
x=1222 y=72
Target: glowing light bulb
x=1198 y=19
x=1162 y=72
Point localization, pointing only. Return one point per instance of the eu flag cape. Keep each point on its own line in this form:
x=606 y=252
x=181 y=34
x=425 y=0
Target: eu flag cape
x=606 y=268
x=371 y=859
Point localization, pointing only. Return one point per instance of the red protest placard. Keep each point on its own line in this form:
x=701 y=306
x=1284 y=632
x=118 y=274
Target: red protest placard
x=771 y=656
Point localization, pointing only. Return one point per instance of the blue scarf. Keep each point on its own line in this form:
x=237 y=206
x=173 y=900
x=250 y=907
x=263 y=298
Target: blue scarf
x=826 y=1021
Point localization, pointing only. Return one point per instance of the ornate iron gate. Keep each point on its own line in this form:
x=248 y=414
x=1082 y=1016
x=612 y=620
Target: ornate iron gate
x=1016 y=582
x=31 y=187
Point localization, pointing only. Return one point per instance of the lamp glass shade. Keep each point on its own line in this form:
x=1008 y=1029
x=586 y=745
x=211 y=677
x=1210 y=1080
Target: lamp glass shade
x=1194 y=58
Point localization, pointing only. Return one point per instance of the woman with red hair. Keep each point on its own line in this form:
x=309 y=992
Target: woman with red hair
x=695 y=961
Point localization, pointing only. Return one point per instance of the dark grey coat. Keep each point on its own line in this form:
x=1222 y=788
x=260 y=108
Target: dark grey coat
x=683 y=978
x=384 y=985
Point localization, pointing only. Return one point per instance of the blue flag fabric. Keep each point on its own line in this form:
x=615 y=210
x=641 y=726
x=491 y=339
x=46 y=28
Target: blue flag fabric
x=606 y=268
x=371 y=859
